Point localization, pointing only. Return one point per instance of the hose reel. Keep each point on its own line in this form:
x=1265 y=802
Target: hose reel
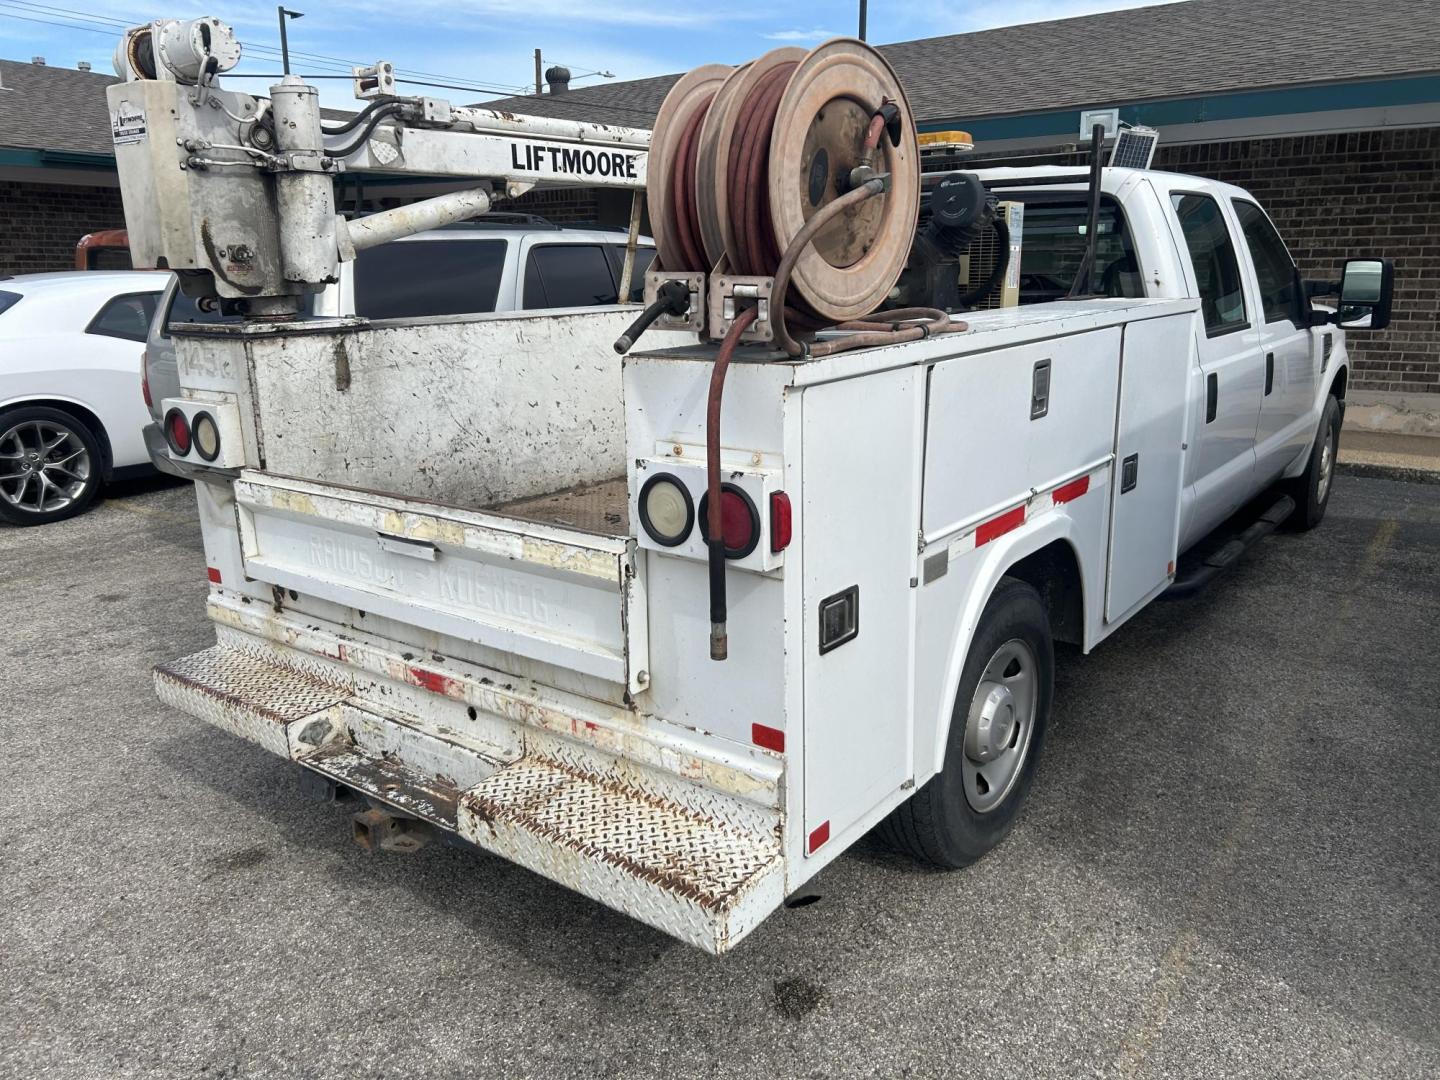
x=743 y=158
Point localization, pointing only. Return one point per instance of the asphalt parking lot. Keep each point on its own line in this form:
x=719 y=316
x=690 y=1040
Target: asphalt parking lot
x=1228 y=867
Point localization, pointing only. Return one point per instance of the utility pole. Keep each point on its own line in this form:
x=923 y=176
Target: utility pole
x=537 y=72
x=863 y=6
x=284 y=13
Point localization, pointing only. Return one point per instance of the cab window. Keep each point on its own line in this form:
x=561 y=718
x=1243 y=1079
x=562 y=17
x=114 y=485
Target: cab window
x=568 y=275
x=126 y=317
x=415 y=278
x=1274 y=269
x=1212 y=254
x=1053 y=245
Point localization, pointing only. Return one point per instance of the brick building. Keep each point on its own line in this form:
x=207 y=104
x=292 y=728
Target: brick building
x=57 y=168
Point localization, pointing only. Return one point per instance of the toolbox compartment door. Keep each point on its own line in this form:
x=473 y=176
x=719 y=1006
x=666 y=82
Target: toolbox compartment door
x=546 y=593
x=1156 y=356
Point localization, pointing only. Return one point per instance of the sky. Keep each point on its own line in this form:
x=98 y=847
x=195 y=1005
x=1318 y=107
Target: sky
x=486 y=47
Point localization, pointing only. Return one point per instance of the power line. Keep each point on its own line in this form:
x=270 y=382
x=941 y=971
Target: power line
x=456 y=82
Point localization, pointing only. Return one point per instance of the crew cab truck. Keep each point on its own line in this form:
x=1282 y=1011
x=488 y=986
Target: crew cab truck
x=459 y=565
x=485 y=611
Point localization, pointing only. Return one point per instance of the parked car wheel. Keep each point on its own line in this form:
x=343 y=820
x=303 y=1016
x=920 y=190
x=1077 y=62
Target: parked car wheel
x=50 y=465
x=997 y=727
x=1311 y=489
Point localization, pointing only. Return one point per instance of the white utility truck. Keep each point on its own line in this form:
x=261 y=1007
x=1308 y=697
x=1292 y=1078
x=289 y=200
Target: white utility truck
x=468 y=570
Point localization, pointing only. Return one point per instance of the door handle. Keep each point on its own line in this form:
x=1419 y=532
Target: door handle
x=1212 y=396
x=1269 y=373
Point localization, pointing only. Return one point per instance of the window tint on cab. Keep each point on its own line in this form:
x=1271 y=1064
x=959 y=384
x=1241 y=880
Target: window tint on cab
x=1212 y=254
x=1279 y=280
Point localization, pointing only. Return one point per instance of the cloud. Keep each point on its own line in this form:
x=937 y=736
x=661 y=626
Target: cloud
x=800 y=35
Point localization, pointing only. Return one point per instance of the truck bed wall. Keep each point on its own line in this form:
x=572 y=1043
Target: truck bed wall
x=468 y=411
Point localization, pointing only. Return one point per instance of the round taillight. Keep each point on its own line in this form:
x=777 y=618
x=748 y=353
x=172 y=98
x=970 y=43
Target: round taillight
x=177 y=432
x=206 y=435
x=739 y=521
x=666 y=510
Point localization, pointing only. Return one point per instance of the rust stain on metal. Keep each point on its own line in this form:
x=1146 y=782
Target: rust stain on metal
x=687 y=854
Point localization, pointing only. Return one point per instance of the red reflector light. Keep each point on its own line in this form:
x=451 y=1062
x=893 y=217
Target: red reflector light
x=779 y=521
x=739 y=522
x=145 y=382
x=767 y=738
x=177 y=432
x=213 y=574
x=819 y=836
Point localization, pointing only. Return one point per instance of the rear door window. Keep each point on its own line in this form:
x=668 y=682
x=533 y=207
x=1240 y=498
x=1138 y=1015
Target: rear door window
x=126 y=317
x=8 y=300
x=1274 y=269
x=643 y=258
x=413 y=278
x=568 y=275
x=1212 y=254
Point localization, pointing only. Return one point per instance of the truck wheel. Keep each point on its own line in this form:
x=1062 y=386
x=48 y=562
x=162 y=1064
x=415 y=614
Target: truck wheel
x=49 y=466
x=998 y=724
x=1311 y=489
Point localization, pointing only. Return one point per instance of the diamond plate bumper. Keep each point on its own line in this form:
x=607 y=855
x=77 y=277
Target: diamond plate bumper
x=694 y=876
x=705 y=871
x=248 y=696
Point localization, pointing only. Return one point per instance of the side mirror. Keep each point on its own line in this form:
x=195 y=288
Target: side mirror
x=1366 y=288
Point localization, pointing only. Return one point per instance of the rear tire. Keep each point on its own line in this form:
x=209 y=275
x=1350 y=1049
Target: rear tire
x=997 y=728
x=1311 y=489
x=50 y=466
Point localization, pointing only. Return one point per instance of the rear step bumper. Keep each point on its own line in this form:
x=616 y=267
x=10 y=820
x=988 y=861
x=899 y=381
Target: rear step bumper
x=705 y=878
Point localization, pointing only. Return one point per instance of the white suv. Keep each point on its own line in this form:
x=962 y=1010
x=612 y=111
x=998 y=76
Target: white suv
x=499 y=263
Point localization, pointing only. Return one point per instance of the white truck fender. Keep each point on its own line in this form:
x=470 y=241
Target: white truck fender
x=995 y=559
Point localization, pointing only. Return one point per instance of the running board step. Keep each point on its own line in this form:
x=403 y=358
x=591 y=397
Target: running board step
x=254 y=698
x=1195 y=575
x=699 y=878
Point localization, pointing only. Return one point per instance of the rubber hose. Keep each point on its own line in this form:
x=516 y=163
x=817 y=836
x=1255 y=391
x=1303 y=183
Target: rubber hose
x=370 y=125
x=719 y=639
x=359 y=118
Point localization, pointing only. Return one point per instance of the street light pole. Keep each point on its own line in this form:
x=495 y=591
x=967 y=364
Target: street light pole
x=283 y=13
x=863 y=6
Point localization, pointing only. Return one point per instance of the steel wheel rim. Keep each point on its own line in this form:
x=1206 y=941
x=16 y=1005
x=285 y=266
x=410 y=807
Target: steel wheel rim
x=1327 y=463
x=44 y=466
x=1000 y=725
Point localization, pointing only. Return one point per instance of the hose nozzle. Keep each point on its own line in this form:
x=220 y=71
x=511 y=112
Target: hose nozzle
x=672 y=298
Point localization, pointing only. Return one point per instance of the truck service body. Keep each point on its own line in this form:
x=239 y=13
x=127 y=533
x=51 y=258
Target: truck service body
x=435 y=581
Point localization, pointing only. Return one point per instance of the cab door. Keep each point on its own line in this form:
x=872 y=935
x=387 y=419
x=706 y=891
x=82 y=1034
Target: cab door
x=1220 y=464
x=1285 y=423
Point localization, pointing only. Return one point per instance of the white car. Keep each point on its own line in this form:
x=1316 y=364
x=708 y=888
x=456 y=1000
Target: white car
x=71 y=407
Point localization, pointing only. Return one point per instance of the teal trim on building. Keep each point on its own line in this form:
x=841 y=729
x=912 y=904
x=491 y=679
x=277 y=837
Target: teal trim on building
x=1331 y=97
x=55 y=159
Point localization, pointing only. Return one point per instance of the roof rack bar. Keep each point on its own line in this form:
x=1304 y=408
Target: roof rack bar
x=1086 y=271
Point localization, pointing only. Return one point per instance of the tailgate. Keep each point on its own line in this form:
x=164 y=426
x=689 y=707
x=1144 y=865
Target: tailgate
x=547 y=593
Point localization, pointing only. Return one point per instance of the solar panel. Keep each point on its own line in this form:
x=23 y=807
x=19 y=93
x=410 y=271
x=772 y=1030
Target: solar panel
x=1134 y=148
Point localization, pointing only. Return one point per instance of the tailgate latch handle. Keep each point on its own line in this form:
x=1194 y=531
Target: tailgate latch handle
x=403 y=545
